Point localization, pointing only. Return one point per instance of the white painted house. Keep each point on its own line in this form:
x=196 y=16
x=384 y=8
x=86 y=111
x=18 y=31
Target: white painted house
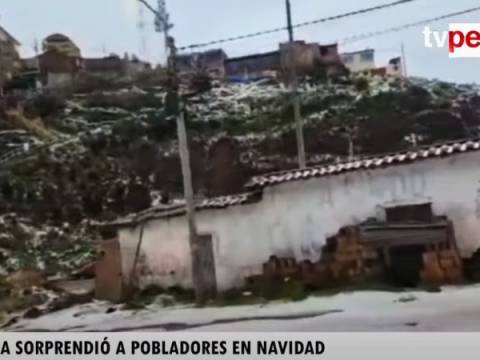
x=358 y=61
x=290 y=214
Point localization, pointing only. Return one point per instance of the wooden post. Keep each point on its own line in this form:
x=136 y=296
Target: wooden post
x=197 y=280
x=293 y=82
x=131 y=280
x=404 y=62
x=163 y=25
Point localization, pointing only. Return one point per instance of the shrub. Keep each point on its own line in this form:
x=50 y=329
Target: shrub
x=45 y=105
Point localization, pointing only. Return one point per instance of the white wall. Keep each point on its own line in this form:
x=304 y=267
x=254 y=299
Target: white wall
x=360 y=61
x=395 y=69
x=294 y=219
x=59 y=80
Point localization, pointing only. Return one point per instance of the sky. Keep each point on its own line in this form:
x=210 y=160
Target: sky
x=100 y=27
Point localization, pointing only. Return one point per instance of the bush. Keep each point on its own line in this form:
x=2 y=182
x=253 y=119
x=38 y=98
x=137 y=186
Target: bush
x=92 y=83
x=45 y=105
x=362 y=84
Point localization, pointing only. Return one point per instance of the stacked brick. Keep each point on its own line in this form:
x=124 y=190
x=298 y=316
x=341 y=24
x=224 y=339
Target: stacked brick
x=442 y=267
x=280 y=268
x=345 y=259
x=348 y=259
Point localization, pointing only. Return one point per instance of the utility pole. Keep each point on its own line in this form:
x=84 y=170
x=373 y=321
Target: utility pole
x=293 y=83
x=404 y=61
x=162 y=24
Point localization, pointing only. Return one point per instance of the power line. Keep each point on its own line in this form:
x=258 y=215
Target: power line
x=303 y=24
x=364 y=36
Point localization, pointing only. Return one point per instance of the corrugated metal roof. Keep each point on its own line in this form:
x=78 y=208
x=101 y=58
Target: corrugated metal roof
x=167 y=211
x=434 y=151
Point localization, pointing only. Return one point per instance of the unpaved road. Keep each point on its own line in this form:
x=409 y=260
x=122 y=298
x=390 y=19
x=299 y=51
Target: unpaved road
x=454 y=309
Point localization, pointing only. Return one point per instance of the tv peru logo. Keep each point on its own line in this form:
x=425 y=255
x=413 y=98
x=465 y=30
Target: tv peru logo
x=463 y=40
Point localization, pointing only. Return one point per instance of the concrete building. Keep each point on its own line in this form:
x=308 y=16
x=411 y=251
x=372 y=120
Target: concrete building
x=253 y=66
x=9 y=57
x=109 y=66
x=359 y=61
x=308 y=59
x=62 y=44
x=57 y=69
x=292 y=214
x=210 y=62
x=395 y=67
x=136 y=66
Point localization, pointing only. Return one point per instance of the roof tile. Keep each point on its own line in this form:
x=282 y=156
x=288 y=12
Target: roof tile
x=370 y=163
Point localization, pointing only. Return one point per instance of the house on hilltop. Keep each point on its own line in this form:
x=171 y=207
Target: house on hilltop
x=210 y=62
x=253 y=66
x=308 y=59
x=358 y=61
x=114 y=66
x=58 y=69
x=109 y=66
x=61 y=44
x=9 y=57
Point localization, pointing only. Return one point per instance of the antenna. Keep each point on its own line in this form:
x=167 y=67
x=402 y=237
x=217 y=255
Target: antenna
x=142 y=26
x=36 y=47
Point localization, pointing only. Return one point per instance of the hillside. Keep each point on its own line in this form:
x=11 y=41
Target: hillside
x=93 y=156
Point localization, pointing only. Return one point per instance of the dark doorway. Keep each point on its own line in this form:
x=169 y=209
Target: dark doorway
x=406 y=263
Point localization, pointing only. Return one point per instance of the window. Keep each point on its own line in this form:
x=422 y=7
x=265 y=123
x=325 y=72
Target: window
x=348 y=59
x=406 y=213
x=366 y=56
x=324 y=50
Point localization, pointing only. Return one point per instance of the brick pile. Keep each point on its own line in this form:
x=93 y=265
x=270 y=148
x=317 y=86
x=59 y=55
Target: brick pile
x=347 y=259
x=442 y=267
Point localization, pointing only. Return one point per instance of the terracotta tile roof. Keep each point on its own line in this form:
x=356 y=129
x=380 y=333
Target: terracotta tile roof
x=439 y=150
x=168 y=211
x=257 y=183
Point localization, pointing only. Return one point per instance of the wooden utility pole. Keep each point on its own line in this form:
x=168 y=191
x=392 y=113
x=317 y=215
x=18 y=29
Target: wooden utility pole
x=163 y=25
x=404 y=61
x=293 y=82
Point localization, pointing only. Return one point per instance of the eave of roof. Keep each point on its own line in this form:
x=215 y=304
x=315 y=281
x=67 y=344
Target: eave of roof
x=364 y=51
x=252 y=56
x=372 y=163
x=258 y=183
x=170 y=211
x=328 y=45
x=16 y=42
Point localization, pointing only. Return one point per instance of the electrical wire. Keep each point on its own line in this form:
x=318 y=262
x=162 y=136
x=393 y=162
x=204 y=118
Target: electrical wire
x=296 y=26
x=364 y=36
